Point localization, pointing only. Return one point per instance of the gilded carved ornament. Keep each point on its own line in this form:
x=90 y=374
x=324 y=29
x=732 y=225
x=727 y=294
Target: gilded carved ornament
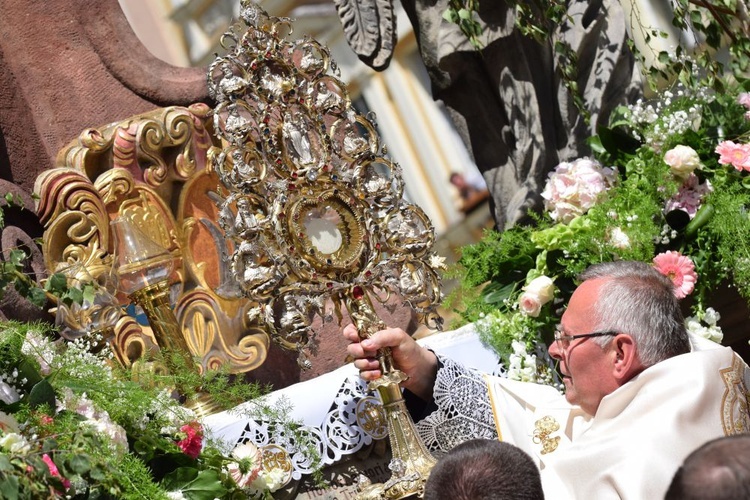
x=152 y=169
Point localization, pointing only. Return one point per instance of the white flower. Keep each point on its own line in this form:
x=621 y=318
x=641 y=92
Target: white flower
x=437 y=261
x=176 y=495
x=711 y=316
x=8 y=394
x=537 y=293
x=682 y=160
x=15 y=444
x=270 y=480
x=619 y=239
x=693 y=325
x=37 y=345
x=245 y=451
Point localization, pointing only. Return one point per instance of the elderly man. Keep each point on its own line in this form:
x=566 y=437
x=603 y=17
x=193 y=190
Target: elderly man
x=638 y=398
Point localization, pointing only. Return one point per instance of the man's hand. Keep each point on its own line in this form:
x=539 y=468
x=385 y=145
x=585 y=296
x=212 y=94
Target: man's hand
x=419 y=364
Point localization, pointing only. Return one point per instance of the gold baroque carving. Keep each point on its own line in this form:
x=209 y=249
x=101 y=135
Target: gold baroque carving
x=152 y=167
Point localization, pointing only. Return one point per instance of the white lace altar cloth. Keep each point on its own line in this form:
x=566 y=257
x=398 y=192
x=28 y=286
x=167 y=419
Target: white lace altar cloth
x=325 y=406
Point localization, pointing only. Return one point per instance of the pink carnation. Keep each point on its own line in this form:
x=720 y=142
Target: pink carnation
x=192 y=443
x=54 y=471
x=573 y=188
x=678 y=268
x=737 y=155
x=744 y=99
x=689 y=196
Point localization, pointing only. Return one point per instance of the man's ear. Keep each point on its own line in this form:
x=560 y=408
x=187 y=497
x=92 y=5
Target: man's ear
x=627 y=363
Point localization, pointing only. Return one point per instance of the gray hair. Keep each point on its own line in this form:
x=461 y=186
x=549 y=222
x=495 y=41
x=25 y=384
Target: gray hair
x=638 y=300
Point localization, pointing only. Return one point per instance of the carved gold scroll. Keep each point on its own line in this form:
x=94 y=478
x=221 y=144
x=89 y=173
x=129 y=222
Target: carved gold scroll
x=152 y=168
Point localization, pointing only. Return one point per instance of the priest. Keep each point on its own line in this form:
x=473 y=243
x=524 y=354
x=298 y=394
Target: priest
x=639 y=396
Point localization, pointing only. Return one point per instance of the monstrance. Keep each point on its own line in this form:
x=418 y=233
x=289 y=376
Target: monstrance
x=315 y=211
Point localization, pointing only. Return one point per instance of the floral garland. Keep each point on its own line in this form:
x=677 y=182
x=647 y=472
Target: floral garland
x=675 y=193
x=73 y=424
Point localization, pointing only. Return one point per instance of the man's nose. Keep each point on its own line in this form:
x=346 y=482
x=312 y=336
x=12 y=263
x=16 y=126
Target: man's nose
x=554 y=350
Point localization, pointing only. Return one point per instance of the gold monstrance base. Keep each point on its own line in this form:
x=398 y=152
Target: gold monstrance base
x=154 y=300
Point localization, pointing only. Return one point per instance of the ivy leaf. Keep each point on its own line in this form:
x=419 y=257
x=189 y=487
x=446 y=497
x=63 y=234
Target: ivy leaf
x=57 y=284
x=37 y=296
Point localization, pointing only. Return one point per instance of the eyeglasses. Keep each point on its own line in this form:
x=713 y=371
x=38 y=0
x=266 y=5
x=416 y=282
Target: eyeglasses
x=562 y=338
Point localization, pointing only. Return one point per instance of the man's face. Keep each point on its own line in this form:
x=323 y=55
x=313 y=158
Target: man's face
x=585 y=365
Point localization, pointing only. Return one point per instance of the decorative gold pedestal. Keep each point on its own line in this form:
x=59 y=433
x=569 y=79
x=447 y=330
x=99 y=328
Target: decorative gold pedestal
x=154 y=300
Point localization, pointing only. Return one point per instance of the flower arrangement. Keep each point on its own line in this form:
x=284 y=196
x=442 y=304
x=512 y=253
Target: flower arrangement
x=74 y=424
x=669 y=184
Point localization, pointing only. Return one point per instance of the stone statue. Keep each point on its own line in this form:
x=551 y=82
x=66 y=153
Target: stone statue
x=507 y=99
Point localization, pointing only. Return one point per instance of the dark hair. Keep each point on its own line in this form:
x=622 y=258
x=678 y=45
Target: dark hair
x=638 y=300
x=483 y=469
x=718 y=470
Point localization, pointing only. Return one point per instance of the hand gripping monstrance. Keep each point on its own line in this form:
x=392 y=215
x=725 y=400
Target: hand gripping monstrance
x=314 y=210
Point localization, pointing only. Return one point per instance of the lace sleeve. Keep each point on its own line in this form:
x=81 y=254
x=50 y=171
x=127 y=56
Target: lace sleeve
x=463 y=409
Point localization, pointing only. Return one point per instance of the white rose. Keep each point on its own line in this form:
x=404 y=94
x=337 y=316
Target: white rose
x=542 y=287
x=15 y=444
x=530 y=304
x=682 y=160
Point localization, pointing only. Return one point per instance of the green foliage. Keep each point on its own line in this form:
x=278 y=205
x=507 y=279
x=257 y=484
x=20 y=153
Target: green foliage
x=462 y=13
x=117 y=433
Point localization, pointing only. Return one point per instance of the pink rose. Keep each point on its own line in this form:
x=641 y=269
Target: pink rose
x=537 y=293
x=573 y=188
x=682 y=160
x=530 y=305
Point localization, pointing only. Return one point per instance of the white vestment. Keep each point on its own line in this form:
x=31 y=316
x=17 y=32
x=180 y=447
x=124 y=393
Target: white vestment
x=632 y=447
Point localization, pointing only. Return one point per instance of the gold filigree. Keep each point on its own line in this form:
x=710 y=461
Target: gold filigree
x=543 y=430
x=735 y=416
x=324 y=221
x=371 y=417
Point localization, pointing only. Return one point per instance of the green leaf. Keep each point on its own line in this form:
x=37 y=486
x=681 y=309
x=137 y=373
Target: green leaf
x=450 y=15
x=88 y=293
x=9 y=487
x=36 y=296
x=42 y=394
x=80 y=464
x=206 y=486
x=701 y=219
x=5 y=464
x=56 y=284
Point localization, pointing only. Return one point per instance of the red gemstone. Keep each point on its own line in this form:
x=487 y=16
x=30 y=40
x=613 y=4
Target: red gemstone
x=357 y=292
